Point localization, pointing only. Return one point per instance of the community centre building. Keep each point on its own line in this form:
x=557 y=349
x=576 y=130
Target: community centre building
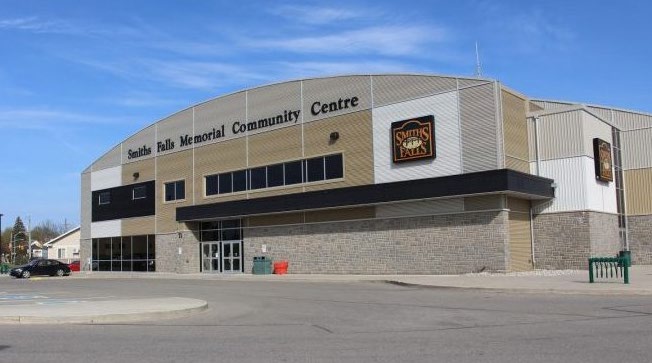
x=373 y=174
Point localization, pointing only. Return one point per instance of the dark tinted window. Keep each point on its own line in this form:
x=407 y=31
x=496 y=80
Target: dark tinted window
x=334 y=166
x=140 y=192
x=258 y=178
x=175 y=190
x=293 y=173
x=180 y=189
x=225 y=183
x=212 y=185
x=105 y=198
x=275 y=175
x=239 y=180
x=315 y=170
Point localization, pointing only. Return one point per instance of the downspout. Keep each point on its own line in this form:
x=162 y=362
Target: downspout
x=538 y=163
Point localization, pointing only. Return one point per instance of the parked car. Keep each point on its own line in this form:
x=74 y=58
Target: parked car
x=74 y=266
x=41 y=267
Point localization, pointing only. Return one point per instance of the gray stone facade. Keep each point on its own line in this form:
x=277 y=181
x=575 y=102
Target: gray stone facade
x=443 y=244
x=566 y=240
x=168 y=258
x=85 y=246
x=640 y=239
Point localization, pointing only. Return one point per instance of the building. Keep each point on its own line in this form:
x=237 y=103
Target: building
x=64 y=247
x=373 y=174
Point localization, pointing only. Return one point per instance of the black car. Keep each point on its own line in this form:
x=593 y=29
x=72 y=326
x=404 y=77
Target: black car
x=41 y=267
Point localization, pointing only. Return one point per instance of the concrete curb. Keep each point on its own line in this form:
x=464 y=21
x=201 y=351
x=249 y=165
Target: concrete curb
x=122 y=311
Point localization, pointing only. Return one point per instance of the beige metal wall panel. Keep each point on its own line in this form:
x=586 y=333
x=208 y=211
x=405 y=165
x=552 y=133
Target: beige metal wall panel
x=169 y=168
x=171 y=130
x=593 y=127
x=138 y=226
x=275 y=146
x=273 y=192
x=518 y=205
x=520 y=242
x=106 y=229
x=516 y=132
x=218 y=114
x=392 y=89
x=355 y=142
x=447 y=159
x=625 y=120
x=277 y=105
x=145 y=168
x=465 y=83
x=86 y=206
x=531 y=139
x=638 y=189
x=327 y=90
x=106 y=178
x=479 y=129
x=142 y=143
x=560 y=135
x=343 y=214
x=533 y=107
x=216 y=158
x=484 y=202
x=111 y=159
x=550 y=105
x=420 y=208
x=275 y=220
x=636 y=148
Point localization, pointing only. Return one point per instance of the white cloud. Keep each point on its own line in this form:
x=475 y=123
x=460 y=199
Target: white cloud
x=48 y=119
x=318 y=15
x=37 y=25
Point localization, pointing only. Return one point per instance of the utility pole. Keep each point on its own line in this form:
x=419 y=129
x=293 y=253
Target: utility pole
x=1 y=255
x=29 y=238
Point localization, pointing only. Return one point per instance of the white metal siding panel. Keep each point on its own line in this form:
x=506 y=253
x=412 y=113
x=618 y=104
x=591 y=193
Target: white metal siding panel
x=108 y=160
x=600 y=196
x=637 y=149
x=86 y=206
x=326 y=90
x=106 y=229
x=560 y=135
x=398 y=88
x=420 y=208
x=221 y=111
x=630 y=120
x=144 y=138
x=603 y=113
x=479 y=128
x=447 y=139
x=569 y=176
x=272 y=101
x=465 y=83
x=106 y=178
x=173 y=128
x=592 y=127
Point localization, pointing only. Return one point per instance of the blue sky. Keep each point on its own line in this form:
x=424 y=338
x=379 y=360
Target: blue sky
x=78 y=77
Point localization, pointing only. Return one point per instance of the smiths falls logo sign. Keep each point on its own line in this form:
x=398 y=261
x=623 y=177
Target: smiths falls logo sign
x=602 y=158
x=413 y=139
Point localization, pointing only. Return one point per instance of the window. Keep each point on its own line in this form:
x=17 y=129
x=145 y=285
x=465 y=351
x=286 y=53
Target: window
x=61 y=253
x=258 y=178
x=212 y=184
x=275 y=175
x=239 y=180
x=315 y=169
x=105 y=198
x=140 y=192
x=334 y=166
x=175 y=190
x=293 y=173
x=225 y=183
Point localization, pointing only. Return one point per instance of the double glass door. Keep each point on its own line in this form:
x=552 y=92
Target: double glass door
x=225 y=257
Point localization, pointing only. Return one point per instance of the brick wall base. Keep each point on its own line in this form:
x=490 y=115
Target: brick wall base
x=640 y=239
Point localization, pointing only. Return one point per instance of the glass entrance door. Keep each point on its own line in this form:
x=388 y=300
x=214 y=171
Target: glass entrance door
x=210 y=257
x=231 y=256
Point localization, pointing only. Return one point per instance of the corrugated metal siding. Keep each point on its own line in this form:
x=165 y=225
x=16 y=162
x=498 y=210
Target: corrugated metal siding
x=603 y=113
x=106 y=178
x=144 y=138
x=592 y=127
x=518 y=205
x=138 y=226
x=216 y=158
x=531 y=137
x=106 y=229
x=600 y=196
x=465 y=83
x=516 y=133
x=343 y=214
x=173 y=128
x=637 y=149
x=568 y=174
x=533 y=107
x=144 y=168
x=485 y=202
x=355 y=143
x=560 y=135
x=479 y=129
x=86 y=206
x=274 y=146
x=272 y=101
x=328 y=90
x=392 y=89
x=172 y=167
x=111 y=159
x=420 y=208
x=520 y=242
x=629 y=120
x=638 y=189
x=447 y=139
x=221 y=111
x=549 y=105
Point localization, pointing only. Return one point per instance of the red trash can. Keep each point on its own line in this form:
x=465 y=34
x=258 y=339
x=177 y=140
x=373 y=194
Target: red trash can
x=280 y=267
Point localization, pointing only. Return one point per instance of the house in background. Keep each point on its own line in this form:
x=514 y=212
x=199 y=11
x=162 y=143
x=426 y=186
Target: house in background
x=65 y=247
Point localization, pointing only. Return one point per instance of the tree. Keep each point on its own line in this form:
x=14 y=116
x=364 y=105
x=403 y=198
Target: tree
x=46 y=231
x=20 y=242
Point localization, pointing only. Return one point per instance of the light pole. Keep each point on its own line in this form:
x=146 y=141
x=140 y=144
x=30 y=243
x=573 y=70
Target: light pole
x=1 y=255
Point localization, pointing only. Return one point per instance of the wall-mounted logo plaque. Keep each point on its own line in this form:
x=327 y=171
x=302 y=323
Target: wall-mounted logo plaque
x=602 y=158
x=413 y=139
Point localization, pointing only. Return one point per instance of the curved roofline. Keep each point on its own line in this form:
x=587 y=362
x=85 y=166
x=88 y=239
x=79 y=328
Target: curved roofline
x=89 y=168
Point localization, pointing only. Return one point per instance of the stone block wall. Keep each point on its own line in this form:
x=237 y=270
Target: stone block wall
x=168 y=258
x=446 y=244
x=640 y=239
x=85 y=246
x=605 y=240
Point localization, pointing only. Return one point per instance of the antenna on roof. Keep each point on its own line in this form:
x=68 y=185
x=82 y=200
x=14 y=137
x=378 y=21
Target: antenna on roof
x=478 y=67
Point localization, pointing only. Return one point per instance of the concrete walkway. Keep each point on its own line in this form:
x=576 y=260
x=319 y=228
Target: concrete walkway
x=32 y=311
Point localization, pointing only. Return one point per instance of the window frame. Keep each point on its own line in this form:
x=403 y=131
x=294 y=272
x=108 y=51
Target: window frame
x=140 y=187
x=106 y=194
x=176 y=198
